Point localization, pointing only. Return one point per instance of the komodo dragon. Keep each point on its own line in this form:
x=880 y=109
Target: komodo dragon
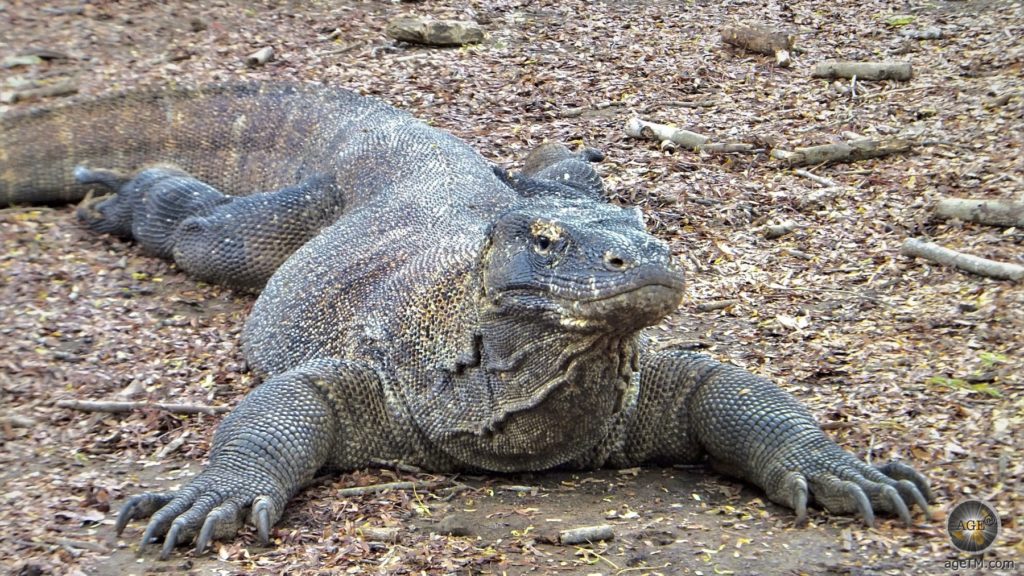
x=419 y=304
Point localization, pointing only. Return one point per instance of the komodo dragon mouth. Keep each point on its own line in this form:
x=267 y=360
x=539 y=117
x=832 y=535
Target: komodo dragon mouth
x=632 y=307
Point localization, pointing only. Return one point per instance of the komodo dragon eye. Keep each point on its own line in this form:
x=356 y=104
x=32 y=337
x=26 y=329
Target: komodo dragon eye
x=542 y=244
x=546 y=236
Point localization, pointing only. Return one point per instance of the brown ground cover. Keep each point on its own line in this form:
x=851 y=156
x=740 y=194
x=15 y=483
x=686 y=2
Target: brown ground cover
x=899 y=357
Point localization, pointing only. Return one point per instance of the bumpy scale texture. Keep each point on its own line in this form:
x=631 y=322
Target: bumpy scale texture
x=417 y=304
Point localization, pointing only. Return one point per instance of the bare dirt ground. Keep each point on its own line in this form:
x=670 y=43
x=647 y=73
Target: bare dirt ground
x=899 y=358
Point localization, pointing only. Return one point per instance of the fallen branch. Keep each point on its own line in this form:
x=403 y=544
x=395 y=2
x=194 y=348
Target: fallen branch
x=81 y=545
x=173 y=445
x=118 y=407
x=973 y=264
x=825 y=182
x=259 y=57
x=991 y=212
x=376 y=488
x=851 y=151
x=378 y=534
x=761 y=40
x=713 y=305
x=17 y=421
x=60 y=88
x=585 y=535
x=518 y=489
x=638 y=128
x=863 y=70
x=422 y=30
x=774 y=231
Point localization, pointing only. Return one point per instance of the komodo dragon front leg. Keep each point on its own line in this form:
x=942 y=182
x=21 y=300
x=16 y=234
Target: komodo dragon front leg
x=326 y=413
x=691 y=405
x=238 y=241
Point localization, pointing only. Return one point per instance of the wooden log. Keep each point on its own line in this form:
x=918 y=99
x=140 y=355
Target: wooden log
x=422 y=30
x=850 y=151
x=863 y=70
x=585 y=535
x=991 y=212
x=259 y=57
x=774 y=231
x=966 y=262
x=117 y=407
x=378 y=533
x=59 y=88
x=762 y=40
x=638 y=128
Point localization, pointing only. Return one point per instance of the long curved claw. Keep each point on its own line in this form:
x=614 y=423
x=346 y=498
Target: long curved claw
x=261 y=514
x=171 y=539
x=912 y=493
x=206 y=533
x=863 y=504
x=796 y=488
x=896 y=500
x=140 y=506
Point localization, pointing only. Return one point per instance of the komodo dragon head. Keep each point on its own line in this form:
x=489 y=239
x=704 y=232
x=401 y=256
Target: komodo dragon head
x=579 y=266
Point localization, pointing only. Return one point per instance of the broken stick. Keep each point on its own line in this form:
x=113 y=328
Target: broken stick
x=117 y=407
x=773 y=231
x=991 y=212
x=863 y=70
x=638 y=128
x=850 y=151
x=259 y=57
x=712 y=305
x=58 y=88
x=375 y=488
x=824 y=182
x=761 y=40
x=973 y=264
x=586 y=534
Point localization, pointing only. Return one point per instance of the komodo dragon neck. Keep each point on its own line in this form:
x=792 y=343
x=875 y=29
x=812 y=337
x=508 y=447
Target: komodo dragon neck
x=522 y=395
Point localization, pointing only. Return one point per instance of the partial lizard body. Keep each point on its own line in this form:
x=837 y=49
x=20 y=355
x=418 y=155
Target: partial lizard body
x=417 y=304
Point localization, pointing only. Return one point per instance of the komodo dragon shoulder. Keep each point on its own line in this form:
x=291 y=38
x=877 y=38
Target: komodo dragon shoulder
x=416 y=304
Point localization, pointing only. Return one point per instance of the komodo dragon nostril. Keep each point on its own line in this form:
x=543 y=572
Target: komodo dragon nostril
x=613 y=261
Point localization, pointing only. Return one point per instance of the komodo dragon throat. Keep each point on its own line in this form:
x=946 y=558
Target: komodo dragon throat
x=417 y=304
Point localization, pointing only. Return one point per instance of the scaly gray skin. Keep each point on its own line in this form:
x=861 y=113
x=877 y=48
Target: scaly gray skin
x=431 y=308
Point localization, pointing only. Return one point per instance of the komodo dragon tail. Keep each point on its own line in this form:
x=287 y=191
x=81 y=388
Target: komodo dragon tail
x=237 y=137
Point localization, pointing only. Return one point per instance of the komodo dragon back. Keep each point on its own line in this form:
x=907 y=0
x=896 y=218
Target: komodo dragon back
x=239 y=138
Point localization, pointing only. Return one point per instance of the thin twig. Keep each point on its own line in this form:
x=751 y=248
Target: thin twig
x=825 y=182
x=119 y=407
x=376 y=488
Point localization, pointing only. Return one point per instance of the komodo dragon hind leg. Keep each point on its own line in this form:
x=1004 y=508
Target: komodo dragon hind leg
x=753 y=429
x=105 y=213
x=235 y=241
x=551 y=169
